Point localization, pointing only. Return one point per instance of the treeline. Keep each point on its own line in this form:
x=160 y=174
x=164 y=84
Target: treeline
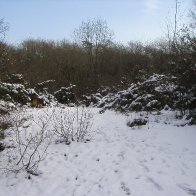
x=95 y=60
x=66 y=63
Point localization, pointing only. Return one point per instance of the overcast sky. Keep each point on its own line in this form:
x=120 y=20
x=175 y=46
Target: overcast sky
x=143 y=20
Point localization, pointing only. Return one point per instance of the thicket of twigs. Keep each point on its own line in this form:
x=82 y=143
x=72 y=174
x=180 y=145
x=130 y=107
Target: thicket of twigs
x=30 y=136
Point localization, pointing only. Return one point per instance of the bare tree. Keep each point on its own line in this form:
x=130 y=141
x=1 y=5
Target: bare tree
x=183 y=58
x=175 y=20
x=94 y=35
x=3 y=28
x=193 y=15
x=3 y=48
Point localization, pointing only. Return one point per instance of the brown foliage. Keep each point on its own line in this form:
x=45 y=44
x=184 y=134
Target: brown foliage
x=66 y=63
x=37 y=102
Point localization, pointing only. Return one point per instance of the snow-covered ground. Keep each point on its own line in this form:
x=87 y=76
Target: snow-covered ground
x=157 y=159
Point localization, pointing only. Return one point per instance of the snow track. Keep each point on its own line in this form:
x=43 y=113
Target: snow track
x=158 y=159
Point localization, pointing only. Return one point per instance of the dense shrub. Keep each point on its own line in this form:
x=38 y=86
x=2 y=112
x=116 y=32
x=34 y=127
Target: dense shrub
x=150 y=94
x=14 y=92
x=65 y=95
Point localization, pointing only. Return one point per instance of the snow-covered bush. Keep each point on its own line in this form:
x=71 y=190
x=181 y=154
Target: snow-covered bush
x=93 y=99
x=65 y=95
x=5 y=107
x=154 y=93
x=42 y=87
x=15 y=92
x=18 y=93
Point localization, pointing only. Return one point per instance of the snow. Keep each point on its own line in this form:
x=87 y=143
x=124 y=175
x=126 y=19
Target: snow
x=157 y=159
x=31 y=91
x=153 y=102
x=155 y=77
x=166 y=88
x=6 y=106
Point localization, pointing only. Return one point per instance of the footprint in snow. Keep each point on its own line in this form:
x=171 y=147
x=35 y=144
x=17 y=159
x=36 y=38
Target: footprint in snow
x=116 y=170
x=138 y=177
x=125 y=188
x=156 y=185
x=121 y=155
x=188 y=190
x=146 y=169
